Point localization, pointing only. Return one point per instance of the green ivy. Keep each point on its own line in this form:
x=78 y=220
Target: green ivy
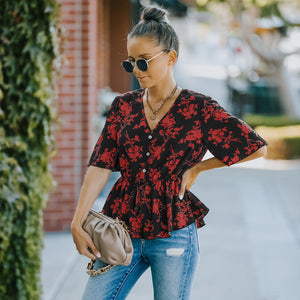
x=29 y=52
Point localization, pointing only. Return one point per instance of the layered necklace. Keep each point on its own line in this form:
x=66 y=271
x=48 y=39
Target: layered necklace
x=154 y=112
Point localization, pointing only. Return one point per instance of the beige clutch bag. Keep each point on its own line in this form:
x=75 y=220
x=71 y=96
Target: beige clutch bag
x=111 y=237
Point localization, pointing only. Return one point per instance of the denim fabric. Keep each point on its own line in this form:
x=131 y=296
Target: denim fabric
x=173 y=262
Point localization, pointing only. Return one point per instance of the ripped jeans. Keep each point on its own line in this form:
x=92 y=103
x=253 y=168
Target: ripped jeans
x=173 y=262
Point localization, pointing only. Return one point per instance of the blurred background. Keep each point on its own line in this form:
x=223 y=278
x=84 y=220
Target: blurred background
x=243 y=53
x=246 y=55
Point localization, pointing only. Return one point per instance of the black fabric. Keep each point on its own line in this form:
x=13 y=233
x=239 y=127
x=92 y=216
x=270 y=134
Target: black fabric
x=152 y=162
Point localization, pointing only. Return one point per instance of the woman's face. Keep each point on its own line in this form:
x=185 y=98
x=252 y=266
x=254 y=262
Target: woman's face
x=159 y=67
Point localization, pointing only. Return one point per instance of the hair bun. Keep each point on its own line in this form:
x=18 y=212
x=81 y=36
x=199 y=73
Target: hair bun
x=153 y=13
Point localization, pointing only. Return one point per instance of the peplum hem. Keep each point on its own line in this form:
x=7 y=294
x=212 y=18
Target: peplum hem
x=153 y=212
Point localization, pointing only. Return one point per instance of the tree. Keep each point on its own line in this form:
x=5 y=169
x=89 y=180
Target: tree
x=263 y=40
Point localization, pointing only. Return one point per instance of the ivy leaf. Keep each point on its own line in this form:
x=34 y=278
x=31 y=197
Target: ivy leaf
x=9 y=195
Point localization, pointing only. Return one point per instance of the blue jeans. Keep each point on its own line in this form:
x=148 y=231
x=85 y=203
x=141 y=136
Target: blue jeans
x=173 y=263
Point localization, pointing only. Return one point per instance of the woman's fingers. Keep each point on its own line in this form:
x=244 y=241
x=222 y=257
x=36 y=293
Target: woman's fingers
x=182 y=190
x=184 y=182
x=188 y=180
x=94 y=250
x=89 y=250
x=87 y=253
x=85 y=245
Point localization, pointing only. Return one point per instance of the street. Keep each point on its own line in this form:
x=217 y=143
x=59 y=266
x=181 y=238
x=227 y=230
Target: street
x=250 y=246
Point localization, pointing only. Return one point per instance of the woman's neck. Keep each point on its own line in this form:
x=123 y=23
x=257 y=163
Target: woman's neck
x=161 y=91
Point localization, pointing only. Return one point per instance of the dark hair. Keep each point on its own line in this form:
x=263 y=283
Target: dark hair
x=154 y=24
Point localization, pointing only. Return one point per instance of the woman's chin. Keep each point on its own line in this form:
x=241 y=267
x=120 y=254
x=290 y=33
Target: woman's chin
x=144 y=82
x=143 y=85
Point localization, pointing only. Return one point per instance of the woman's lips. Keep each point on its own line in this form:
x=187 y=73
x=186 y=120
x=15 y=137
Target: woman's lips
x=141 y=78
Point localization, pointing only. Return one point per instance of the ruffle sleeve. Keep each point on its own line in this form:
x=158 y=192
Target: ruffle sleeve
x=227 y=137
x=106 y=151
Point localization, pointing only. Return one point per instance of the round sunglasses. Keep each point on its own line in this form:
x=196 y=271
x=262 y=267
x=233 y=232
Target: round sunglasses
x=142 y=63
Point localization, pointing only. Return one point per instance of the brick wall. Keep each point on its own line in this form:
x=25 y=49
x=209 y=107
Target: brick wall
x=89 y=25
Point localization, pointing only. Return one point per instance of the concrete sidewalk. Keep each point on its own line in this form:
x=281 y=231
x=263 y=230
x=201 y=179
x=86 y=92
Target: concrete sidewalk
x=250 y=246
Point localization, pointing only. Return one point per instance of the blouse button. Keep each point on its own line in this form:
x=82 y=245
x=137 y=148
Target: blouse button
x=148 y=153
x=150 y=137
x=144 y=170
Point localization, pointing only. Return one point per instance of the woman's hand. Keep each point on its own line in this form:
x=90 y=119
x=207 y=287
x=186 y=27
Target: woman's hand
x=94 y=181
x=188 y=179
x=83 y=243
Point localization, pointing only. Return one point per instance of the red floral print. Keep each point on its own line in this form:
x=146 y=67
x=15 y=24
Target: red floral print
x=216 y=136
x=188 y=111
x=134 y=152
x=152 y=162
x=156 y=206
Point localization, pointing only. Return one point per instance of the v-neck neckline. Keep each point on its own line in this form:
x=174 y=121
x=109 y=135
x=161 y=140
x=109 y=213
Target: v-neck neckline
x=167 y=113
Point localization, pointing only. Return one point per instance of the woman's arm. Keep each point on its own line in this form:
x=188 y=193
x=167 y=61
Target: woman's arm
x=213 y=162
x=94 y=181
x=189 y=177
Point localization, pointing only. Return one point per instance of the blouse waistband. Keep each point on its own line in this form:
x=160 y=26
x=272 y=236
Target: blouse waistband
x=138 y=180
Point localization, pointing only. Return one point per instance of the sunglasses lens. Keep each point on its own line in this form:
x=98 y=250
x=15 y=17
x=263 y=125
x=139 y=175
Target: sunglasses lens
x=142 y=64
x=127 y=66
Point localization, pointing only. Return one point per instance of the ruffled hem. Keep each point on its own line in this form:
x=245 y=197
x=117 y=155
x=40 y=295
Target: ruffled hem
x=153 y=212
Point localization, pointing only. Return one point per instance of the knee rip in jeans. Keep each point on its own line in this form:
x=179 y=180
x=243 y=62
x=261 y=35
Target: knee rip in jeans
x=175 y=251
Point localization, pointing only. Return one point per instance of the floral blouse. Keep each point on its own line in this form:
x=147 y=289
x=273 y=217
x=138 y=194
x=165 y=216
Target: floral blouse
x=152 y=162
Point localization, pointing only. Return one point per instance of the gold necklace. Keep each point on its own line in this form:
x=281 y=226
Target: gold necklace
x=154 y=112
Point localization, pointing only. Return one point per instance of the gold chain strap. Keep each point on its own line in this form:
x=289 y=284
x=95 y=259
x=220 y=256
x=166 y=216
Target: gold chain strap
x=122 y=223
x=93 y=273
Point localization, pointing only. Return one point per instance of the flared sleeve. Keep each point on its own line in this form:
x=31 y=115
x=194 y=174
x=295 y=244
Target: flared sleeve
x=106 y=151
x=227 y=137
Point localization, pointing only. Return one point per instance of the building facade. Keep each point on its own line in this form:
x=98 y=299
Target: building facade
x=95 y=46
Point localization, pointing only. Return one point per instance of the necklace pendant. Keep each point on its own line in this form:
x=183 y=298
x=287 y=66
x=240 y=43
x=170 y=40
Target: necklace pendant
x=153 y=117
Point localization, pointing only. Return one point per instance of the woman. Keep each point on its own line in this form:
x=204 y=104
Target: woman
x=157 y=137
